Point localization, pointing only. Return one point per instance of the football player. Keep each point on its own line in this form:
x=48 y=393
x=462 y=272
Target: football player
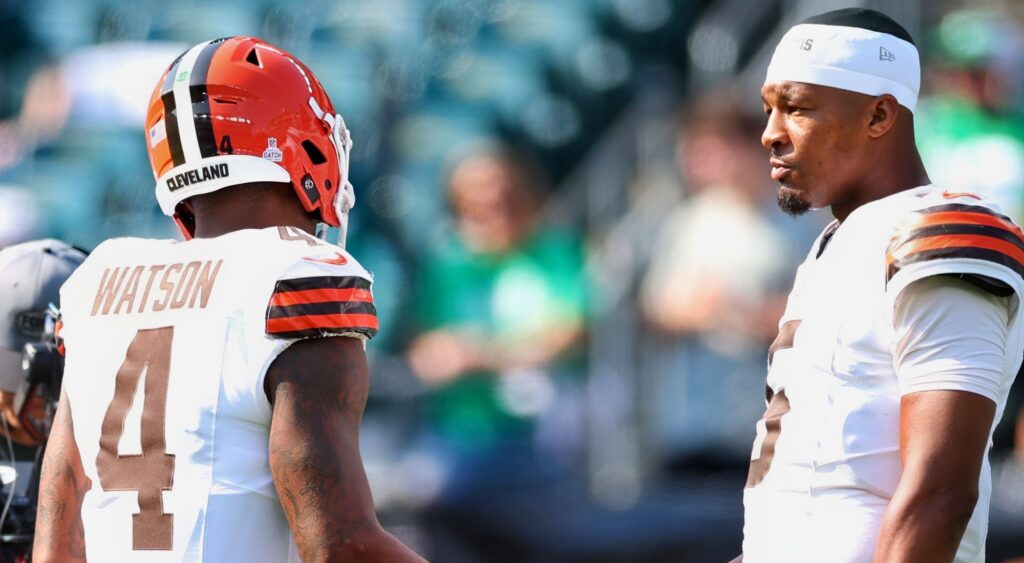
x=31 y=274
x=903 y=332
x=213 y=388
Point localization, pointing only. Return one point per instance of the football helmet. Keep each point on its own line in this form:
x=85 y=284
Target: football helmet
x=31 y=275
x=238 y=110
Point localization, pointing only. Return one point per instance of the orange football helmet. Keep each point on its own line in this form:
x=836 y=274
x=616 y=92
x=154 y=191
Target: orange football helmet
x=238 y=110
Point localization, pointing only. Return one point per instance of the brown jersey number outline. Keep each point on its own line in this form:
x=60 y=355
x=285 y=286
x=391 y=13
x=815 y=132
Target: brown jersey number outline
x=778 y=405
x=152 y=472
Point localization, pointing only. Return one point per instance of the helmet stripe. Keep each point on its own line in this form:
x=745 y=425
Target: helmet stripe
x=171 y=73
x=202 y=117
x=171 y=123
x=183 y=100
x=170 y=117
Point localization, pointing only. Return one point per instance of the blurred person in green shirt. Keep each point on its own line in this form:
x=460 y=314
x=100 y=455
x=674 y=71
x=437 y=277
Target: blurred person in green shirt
x=967 y=131
x=501 y=306
x=501 y=303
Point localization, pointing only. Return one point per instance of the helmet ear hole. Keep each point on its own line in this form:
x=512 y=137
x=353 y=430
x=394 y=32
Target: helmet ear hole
x=253 y=58
x=315 y=156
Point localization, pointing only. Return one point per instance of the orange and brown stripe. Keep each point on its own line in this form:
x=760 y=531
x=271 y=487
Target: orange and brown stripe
x=58 y=336
x=957 y=231
x=321 y=306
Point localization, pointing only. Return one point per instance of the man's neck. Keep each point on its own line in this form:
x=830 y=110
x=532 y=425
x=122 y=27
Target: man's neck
x=225 y=225
x=891 y=175
x=248 y=206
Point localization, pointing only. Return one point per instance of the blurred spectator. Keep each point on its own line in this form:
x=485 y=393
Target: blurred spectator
x=40 y=118
x=20 y=53
x=719 y=272
x=966 y=130
x=29 y=91
x=501 y=304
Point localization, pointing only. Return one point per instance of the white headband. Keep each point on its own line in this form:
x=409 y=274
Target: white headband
x=849 y=58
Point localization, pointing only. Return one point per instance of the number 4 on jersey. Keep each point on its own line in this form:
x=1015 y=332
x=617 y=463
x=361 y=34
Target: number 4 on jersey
x=152 y=472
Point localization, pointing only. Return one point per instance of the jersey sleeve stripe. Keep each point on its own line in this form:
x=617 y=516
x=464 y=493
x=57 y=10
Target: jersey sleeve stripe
x=1014 y=250
x=946 y=246
x=952 y=229
x=957 y=230
x=961 y=207
x=322 y=282
x=317 y=325
x=961 y=217
x=959 y=241
x=946 y=253
x=288 y=298
x=328 y=308
x=320 y=306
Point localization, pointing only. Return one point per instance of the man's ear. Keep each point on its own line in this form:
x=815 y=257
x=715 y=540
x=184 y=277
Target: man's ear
x=885 y=111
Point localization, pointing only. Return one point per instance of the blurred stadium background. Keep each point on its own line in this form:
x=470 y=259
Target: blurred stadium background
x=579 y=263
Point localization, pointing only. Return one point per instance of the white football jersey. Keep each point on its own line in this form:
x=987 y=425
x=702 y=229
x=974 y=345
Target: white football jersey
x=826 y=458
x=167 y=345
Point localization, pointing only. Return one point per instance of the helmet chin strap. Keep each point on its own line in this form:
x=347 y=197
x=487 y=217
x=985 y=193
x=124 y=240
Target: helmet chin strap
x=343 y=203
x=342 y=230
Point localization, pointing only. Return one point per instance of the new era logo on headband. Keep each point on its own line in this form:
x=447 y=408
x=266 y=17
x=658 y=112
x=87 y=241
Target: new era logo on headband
x=886 y=55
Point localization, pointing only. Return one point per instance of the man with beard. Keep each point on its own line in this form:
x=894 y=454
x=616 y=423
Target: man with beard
x=903 y=332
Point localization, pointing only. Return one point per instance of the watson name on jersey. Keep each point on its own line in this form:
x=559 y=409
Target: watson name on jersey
x=826 y=458
x=167 y=347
